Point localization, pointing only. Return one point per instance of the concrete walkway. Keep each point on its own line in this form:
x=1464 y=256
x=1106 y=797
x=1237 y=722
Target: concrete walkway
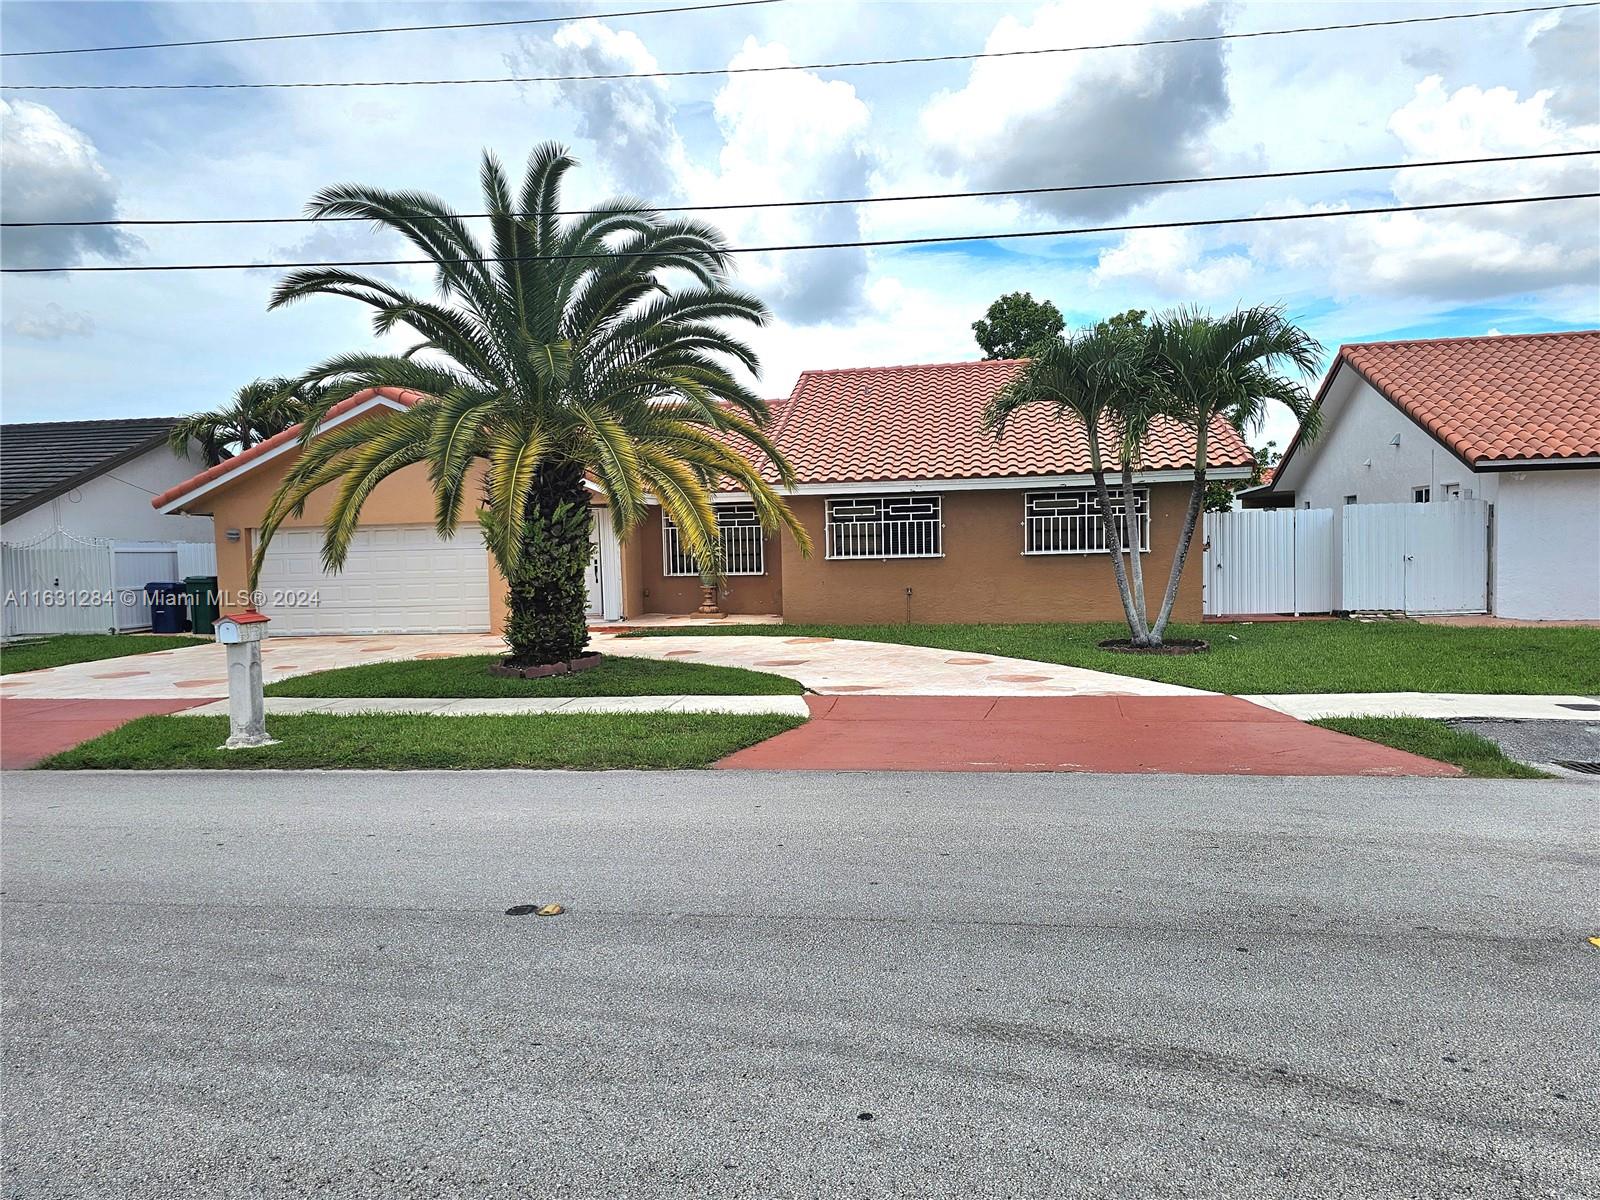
x=1438 y=705
x=841 y=667
x=792 y=706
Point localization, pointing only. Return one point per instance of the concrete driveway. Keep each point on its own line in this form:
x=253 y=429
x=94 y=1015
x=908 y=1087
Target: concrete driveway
x=265 y=985
x=842 y=667
x=201 y=672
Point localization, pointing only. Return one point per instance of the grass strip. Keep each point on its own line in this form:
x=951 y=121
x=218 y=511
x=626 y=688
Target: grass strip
x=1474 y=754
x=468 y=677
x=580 y=741
x=71 y=648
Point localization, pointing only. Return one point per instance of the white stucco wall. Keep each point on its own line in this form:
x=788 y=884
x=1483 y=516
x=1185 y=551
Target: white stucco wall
x=1547 y=546
x=1355 y=455
x=116 y=505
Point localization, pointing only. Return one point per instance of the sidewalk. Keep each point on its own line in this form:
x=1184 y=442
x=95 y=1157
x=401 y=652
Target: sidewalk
x=1437 y=705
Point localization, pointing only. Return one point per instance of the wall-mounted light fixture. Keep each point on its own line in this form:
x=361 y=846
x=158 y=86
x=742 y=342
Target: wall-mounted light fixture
x=1395 y=440
x=232 y=535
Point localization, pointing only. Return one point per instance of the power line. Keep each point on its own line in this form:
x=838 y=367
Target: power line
x=758 y=70
x=289 y=37
x=865 y=244
x=895 y=199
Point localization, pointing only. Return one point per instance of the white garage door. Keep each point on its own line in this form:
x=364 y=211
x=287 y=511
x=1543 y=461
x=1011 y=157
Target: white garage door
x=396 y=579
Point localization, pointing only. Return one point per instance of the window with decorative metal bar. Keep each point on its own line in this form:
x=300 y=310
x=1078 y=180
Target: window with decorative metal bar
x=885 y=527
x=1068 y=522
x=743 y=543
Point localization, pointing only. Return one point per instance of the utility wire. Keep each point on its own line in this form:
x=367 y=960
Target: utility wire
x=1034 y=191
x=868 y=244
x=755 y=70
x=289 y=37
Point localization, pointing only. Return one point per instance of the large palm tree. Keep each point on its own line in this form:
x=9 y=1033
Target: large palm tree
x=258 y=410
x=1228 y=367
x=563 y=350
x=1102 y=379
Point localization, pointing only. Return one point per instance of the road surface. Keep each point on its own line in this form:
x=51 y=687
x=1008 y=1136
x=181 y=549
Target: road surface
x=798 y=985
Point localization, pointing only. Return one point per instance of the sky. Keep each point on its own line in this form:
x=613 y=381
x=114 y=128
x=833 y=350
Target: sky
x=80 y=346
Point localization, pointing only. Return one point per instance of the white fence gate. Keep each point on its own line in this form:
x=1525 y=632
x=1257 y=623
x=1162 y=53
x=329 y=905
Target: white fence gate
x=1417 y=558
x=1269 y=561
x=59 y=583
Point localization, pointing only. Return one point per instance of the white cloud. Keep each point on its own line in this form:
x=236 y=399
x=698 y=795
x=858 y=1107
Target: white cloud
x=50 y=323
x=50 y=171
x=1099 y=116
x=769 y=149
x=1464 y=254
x=630 y=121
x=1173 y=264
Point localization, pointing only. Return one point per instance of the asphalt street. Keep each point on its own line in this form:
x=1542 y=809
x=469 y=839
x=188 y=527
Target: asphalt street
x=798 y=985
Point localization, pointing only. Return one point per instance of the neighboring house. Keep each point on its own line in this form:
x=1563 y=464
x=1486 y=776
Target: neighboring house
x=92 y=479
x=917 y=514
x=77 y=532
x=1511 y=420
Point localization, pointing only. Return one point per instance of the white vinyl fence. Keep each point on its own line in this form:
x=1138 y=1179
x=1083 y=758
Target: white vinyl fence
x=1269 y=561
x=1417 y=558
x=1414 y=558
x=59 y=583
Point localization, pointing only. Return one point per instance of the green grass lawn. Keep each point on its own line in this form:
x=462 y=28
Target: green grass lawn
x=581 y=741
x=1274 y=657
x=449 y=678
x=86 y=647
x=1475 y=755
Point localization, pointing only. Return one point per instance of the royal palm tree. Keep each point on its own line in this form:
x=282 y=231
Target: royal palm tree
x=258 y=410
x=1228 y=367
x=1101 y=379
x=593 y=347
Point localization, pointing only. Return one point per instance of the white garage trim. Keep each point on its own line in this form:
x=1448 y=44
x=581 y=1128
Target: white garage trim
x=396 y=579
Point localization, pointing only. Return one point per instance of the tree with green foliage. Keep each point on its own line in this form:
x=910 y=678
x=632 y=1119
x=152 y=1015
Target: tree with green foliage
x=1229 y=367
x=1102 y=379
x=1115 y=379
x=1015 y=324
x=258 y=410
x=597 y=347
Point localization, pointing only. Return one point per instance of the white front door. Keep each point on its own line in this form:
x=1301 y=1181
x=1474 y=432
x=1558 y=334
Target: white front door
x=596 y=577
x=396 y=579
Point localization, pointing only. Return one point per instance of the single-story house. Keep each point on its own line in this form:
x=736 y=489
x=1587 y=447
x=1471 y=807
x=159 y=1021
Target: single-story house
x=93 y=479
x=1511 y=420
x=78 y=537
x=916 y=513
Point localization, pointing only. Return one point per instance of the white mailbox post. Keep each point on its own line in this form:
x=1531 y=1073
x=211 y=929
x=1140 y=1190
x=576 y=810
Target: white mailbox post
x=243 y=634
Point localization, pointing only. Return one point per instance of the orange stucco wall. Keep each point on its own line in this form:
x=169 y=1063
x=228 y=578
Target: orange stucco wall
x=983 y=576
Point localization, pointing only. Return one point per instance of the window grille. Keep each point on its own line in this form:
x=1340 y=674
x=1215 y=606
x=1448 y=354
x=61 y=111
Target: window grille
x=743 y=543
x=885 y=527
x=1068 y=521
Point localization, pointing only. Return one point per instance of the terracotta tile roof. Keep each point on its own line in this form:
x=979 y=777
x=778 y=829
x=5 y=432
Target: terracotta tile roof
x=886 y=424
x=1494 y=399
x=228 y=465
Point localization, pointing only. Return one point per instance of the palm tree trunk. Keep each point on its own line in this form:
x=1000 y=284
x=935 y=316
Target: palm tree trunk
x=1131 y=525
x=1135 y=617
x=1197 y=497
x=548 y=600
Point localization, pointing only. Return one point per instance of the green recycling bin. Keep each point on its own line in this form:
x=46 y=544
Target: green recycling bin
x=202 y=590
